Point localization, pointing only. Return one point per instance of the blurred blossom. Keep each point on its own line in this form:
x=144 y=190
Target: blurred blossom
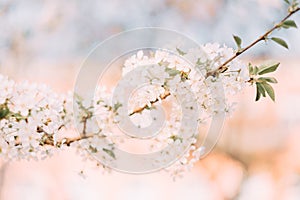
x=258 y=186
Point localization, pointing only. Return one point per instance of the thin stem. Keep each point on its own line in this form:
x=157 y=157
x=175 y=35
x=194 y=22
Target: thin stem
x=84 y=121
x=223 y=67
x=161 y=97
x=67 y=141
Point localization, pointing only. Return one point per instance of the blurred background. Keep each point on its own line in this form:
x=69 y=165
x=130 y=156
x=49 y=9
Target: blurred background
x=258 y=156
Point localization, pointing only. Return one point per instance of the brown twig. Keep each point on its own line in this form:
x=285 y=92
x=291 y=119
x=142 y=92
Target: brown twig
x=223 y=67
x=49 y=140
x=67 y=141
x=161 y=97
x=84 y=122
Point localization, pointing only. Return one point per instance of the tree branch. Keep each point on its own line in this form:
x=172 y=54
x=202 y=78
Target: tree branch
x=223 y=67
x=67 y=141
x=161 y=97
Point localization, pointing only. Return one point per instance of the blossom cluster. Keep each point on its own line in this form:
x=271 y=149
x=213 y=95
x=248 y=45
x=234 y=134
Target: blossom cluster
x=33 y=118
x=190 y=68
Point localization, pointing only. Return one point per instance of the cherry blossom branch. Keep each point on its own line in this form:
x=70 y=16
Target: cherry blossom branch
x=48 y=139
x=223 y=67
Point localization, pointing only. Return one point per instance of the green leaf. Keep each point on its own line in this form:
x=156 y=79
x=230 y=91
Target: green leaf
x=268 y=79
x=93 y=149
x=172 y=72
x=199 y=62
x=182 y=53
x=280 y=42
x=255 y=70
x=110 y=153
x=261 y=89
x=251 y=69
x=258 y=94
x=3 y=112
x=238 y=41
x=289 y=24
x=117 y=106
x=269 y=90
x=268 y=69
x=287 y=1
